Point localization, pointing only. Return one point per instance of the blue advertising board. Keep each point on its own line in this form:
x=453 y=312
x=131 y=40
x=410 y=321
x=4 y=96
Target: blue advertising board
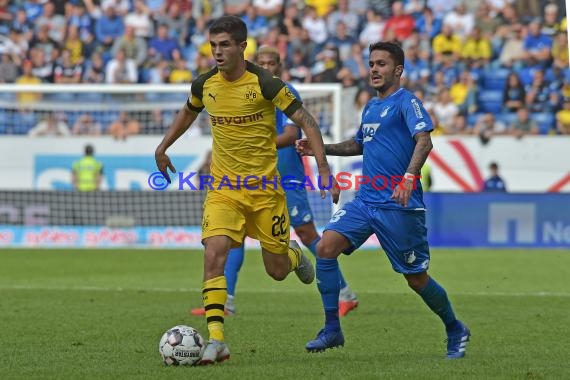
x=498 y=219
x=125 y=172
x=491 y=220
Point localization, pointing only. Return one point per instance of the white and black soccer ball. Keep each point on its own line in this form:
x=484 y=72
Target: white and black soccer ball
x=181 y=345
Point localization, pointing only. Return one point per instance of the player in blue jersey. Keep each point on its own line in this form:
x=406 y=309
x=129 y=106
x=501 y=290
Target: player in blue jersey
x=494 y=183
x=292 y=171
x=394 y=140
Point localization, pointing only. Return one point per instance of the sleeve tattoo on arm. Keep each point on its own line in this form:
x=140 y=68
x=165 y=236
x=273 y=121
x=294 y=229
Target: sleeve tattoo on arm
x=312 y=130
x=421 y=152
x=345 y=148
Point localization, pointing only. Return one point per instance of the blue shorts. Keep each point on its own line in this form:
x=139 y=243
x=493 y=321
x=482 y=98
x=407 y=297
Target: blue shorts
x=299 y=209
x=402 y=233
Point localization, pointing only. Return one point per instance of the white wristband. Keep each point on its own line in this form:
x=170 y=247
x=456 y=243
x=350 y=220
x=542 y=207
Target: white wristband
x=410 y=176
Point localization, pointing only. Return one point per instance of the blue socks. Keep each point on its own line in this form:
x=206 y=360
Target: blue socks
x=233 y=265
x=313 y=249
x=341 y=279
x=313 y=246
x=436 y=298
x=329 y=287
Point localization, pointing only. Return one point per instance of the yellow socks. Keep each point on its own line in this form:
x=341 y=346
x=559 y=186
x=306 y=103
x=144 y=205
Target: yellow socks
x=294 y=257
x=214 y=295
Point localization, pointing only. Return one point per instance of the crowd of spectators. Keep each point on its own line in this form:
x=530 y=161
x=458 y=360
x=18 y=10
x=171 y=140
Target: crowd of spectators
x=485 y=67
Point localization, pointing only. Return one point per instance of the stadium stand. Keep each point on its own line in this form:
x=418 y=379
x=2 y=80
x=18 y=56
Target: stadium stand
x=166 y=42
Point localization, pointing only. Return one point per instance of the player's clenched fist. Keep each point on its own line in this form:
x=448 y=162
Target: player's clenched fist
x=304 y=148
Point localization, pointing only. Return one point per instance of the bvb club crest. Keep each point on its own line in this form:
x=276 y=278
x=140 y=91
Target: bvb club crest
x=250 y=94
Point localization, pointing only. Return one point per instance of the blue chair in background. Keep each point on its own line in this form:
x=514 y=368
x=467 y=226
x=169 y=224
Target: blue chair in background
x=545 y=122
x=495 y=79
x=490 y=101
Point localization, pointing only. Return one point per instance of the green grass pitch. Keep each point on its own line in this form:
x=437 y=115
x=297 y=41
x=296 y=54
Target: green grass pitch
x=99 y=314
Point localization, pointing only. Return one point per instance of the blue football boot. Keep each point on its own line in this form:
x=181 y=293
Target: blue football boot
x=457 y=341
x=324 y=340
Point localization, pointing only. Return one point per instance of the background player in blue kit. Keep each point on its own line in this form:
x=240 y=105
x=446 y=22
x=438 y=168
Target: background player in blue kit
x=291 y=169
x=394 y=139
x=494 y=183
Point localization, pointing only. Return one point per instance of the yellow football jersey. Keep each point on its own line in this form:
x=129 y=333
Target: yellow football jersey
x=242 y=117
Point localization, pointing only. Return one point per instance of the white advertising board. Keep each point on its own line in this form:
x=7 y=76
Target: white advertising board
x=530 y=164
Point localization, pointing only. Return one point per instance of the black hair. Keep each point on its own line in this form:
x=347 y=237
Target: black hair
x=89 y=150
x=494 y=166
x=232 y=25
x=393 y=48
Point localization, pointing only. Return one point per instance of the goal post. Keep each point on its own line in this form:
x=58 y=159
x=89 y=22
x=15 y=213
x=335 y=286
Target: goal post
x=324 y=101
x=39 y=192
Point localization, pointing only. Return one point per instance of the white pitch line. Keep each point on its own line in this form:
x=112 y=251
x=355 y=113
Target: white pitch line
x=263 y=291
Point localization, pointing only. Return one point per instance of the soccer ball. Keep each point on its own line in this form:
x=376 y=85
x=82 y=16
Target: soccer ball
x=181 y=345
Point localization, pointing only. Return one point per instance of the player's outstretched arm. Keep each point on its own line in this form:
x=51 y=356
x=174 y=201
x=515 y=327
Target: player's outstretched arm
x=308 y=124
x=345 y=148
x=424 y=145
x=183 y=120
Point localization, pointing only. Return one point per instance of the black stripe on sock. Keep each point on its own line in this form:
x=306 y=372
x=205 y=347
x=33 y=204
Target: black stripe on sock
x=214 y=306
x=210 y=289
x=215 y=318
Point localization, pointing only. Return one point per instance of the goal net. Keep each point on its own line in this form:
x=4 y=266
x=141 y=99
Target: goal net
x=36 y=194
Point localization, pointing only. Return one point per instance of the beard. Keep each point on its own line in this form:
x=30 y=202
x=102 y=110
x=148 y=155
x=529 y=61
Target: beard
x=387 y=83
x=383 y=87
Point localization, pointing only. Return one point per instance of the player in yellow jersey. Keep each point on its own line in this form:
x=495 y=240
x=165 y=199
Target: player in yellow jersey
x=245 y=197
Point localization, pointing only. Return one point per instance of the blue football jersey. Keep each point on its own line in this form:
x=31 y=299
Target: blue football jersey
x=289 y=162
x=495 y=183
x=387 y=135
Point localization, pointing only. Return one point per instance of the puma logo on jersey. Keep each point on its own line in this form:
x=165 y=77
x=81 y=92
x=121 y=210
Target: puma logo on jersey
x=385 y=112
x=212 y=96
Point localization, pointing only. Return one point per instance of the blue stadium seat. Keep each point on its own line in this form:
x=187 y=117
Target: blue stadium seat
x=169 y=115
x=71 y=118
x=472 y=119
x=490 y=101
x=189 y=53
x=526 y=74
x=60 y=97
x=7 y=96
x=152 y=96
x=495 y=79
x=545 y=122
x=144 y=75
x=23 y=122
x=99 y=117
x=506 y=117
x=4 y=122
x=180 y=97
x=109 y=117
x=94 y=97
